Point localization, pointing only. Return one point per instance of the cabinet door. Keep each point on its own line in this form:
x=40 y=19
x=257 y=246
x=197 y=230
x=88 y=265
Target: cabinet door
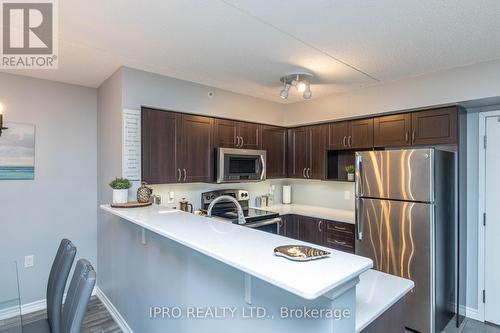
x=274 y=143
x=249 y=135
x=337 y=135
x=392 y=131
x=434 y=127
x=197 y=149
x=309 y=229
x=225 y=133
x=361 y=133
x=317 y=152
x=159 y=146
x=290 y=227
x=298 y=156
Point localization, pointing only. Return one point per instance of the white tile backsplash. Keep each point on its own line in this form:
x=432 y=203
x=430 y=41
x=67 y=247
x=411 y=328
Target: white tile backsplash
x=305 y=192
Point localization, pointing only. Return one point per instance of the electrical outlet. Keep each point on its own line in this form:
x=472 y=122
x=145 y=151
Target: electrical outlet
x=29 y=261
x=171 y=197
x=347 y=195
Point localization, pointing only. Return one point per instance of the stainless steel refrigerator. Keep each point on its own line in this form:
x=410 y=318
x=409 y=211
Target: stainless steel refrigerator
x=405 y=222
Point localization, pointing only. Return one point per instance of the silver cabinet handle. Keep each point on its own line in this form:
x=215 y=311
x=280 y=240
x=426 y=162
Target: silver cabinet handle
x=308 y=172
x=304 y=173
x=242 y=141
x=413 y=137
x=237 y=142
x=339 y=228
x=407 y=136
x=349 y=141
x=185 y=174
x=320 y=222
x=179 y=174
x=344 y=141
x=339 y=242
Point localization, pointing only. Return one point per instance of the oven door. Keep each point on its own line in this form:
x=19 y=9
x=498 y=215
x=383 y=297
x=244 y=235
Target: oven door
x=271 y=225
x=240 y=165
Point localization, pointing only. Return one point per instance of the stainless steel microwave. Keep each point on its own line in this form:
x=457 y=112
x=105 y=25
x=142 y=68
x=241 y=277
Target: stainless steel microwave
x=240 y=165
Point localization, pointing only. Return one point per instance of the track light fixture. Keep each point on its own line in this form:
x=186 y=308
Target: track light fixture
x=301 y=81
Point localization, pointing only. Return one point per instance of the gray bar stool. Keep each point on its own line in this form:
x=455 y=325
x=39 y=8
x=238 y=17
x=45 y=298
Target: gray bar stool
x=55 y=290
x=75 y=306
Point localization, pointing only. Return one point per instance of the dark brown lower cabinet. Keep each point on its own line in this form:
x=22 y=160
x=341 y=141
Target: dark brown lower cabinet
x=309 y=229
x=332 y=234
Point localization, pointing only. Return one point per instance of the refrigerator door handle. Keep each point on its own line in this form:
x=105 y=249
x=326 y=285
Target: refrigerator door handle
x=359 y=175
x=359 y=219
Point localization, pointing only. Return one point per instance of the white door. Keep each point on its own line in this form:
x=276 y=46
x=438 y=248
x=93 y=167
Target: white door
x=492 y=231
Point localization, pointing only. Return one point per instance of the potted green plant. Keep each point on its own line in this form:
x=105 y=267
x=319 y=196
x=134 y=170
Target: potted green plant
x=350 y=172
x=120 y=188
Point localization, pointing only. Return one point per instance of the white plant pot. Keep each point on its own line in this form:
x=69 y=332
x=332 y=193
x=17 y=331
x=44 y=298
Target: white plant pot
x=350 y=177
x=120 y=196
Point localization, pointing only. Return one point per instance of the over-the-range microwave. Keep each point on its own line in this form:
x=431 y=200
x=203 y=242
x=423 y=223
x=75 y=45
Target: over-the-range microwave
x=240 y=165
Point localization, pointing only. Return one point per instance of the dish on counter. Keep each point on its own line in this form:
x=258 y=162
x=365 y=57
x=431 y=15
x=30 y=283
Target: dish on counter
x=300 y=252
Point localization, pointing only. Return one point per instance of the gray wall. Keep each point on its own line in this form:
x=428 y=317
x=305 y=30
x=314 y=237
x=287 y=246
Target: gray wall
x=61 y=201
x=143 y=88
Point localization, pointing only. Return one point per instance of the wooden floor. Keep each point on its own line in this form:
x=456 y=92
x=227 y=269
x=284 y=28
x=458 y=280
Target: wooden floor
x=97 y=319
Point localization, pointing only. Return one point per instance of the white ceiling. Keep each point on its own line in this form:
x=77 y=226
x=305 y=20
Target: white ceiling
x=246 y=45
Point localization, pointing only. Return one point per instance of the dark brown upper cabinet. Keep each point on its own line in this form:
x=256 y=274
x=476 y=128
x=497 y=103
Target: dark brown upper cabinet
x=360 y=134
x=176 y=147
x=159 y=146
x=249 y=135
x=317 y=152
x=337 y=135
x=226 y=133
x=196 y=154
x=274 y=141
x=307 y=152
x=237 y=134
x=297 y=152
x=392 y=131
x=434 y=127
x=353 y=134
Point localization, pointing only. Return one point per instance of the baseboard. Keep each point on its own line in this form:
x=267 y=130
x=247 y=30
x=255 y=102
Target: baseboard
x=469 y=312
x=113 y=311
x=26 y=308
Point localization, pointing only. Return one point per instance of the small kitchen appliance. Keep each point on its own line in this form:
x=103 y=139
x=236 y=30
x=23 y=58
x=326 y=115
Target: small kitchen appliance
x=240 y=165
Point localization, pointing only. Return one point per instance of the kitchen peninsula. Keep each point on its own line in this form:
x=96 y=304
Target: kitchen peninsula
x=184 y=260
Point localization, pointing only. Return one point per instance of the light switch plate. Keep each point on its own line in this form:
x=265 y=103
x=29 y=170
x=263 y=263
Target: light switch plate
x=29 y=261
x=171 y=197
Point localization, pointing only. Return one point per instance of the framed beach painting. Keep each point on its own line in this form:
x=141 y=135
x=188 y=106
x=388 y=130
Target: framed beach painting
x=17 y=152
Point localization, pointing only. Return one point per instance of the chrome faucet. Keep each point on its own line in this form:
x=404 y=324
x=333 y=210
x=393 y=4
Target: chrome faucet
x=241 y=216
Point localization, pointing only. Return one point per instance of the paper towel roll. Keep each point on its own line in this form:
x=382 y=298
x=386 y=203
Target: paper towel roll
x=287 y=194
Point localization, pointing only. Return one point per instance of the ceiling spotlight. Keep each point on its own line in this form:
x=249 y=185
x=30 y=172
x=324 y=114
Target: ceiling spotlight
x=301 y=81
x=301 y=86
x=307 y=92
x=284 y=92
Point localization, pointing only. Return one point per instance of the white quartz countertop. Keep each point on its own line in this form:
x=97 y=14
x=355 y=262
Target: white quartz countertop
x=376 y=292
x=249 y=250
x=339 y=215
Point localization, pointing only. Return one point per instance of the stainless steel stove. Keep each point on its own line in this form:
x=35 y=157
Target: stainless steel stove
x=255 y=218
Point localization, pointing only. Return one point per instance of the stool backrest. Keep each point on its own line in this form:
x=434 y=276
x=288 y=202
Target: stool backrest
x=79 y=292
x=57 y=283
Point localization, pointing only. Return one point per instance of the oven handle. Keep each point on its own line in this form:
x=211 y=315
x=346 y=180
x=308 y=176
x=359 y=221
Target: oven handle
x=263 y=164
x=264 y=223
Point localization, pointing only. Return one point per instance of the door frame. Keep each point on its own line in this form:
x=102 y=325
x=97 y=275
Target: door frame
x=481 y=281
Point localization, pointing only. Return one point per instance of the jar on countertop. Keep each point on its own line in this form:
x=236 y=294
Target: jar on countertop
x=144 y=193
